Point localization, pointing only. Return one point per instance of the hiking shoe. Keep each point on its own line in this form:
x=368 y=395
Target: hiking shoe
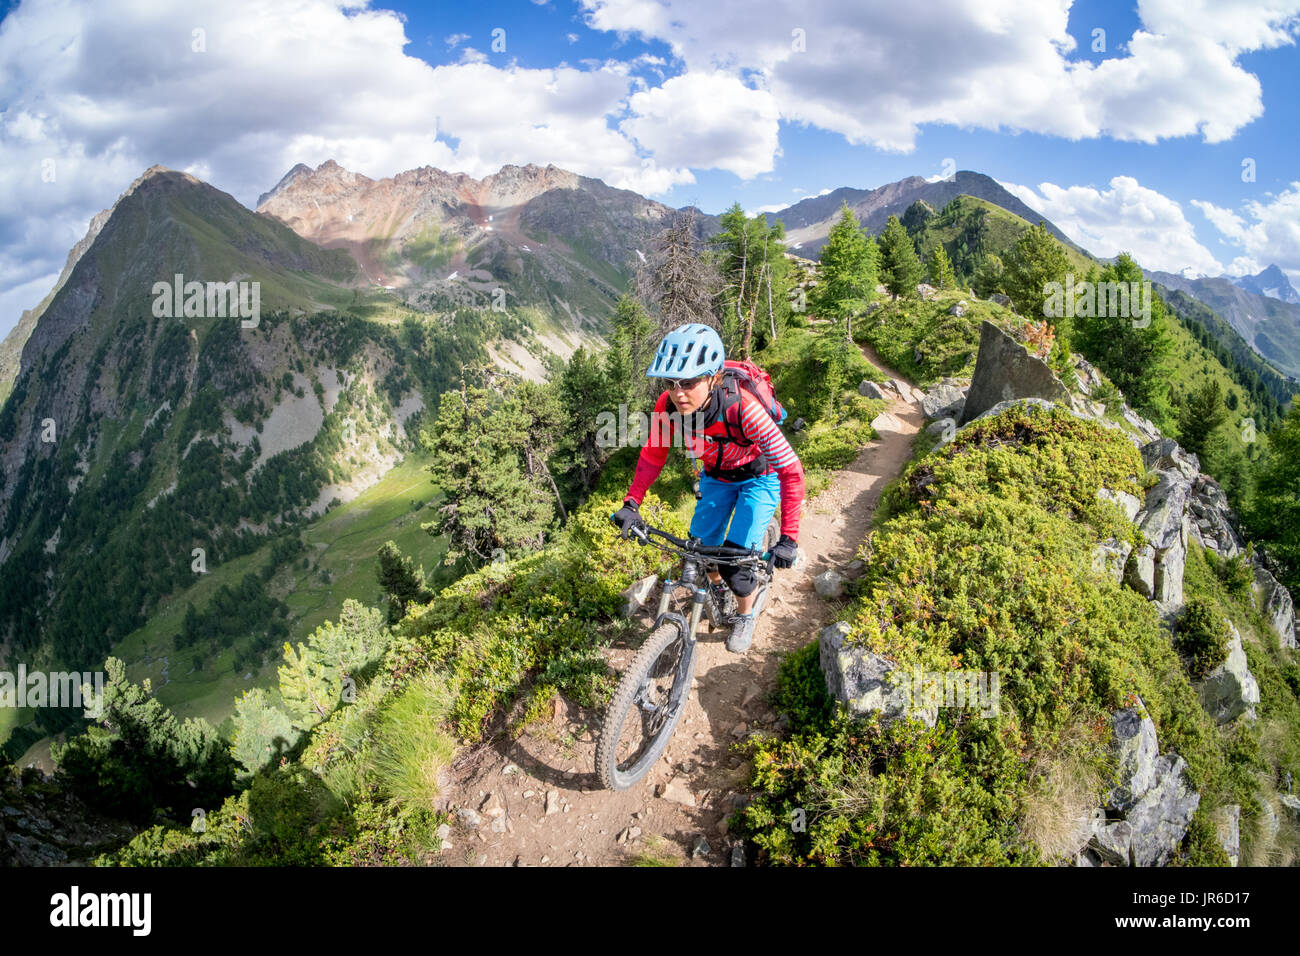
x=724 y=602
x=742 y=633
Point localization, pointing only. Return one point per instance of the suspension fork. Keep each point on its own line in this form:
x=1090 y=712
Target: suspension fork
x=694 y=578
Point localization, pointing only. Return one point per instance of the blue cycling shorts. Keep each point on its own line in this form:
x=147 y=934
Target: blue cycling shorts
x=746 y=506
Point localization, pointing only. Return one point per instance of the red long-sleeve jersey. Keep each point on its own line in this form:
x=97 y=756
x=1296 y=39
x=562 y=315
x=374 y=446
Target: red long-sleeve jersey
x=757 y=427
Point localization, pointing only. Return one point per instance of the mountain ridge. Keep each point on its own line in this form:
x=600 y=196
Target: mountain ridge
x=1270 y=326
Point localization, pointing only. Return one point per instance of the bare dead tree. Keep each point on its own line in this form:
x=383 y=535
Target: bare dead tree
x=677 y=283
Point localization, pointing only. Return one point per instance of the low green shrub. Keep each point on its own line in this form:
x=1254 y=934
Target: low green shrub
x=984 y=565
x=1202 y=637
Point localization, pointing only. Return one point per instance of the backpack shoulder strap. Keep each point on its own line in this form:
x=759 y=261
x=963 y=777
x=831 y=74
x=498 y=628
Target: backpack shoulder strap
x=730 y=408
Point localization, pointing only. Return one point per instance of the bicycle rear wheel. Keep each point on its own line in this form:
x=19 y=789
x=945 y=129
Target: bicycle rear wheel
x=641 y=719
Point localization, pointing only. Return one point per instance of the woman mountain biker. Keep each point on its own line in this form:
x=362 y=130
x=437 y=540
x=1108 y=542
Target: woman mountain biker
x=749 y=467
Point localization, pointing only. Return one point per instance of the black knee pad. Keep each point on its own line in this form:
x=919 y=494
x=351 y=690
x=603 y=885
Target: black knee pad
x=742 y=581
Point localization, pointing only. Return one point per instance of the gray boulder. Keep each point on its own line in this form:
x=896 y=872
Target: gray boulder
x=1161 y=816
x=1129 y=503
x=1000 y=407
x=1140 y=574
x=1133 y=739
x=960 y=309
x=944 y=400
x=945 y=428
x=1228 y=824
x=1165 y=454
x=870 y=389
x=1112 y=842
x=1290 y=806
x=1089 y=378
x=1230 y=690
x=1142 y=426
x=903 y=389
x=829 y=584
x=635 y=596
x=925 y=290
x=1161 y=517
x=862 y=681
x=1004 y=371
x=997 y=298
x=1278 y=606
x=1214 y=521
x=1111 y=557
x=1156 y=570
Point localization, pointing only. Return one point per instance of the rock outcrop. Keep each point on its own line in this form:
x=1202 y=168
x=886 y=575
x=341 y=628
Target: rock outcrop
x=1277 y=605
x=1004 y=371
x=1155 y=570
x=1230 y=690
x=861 y=680
x=1147 y=812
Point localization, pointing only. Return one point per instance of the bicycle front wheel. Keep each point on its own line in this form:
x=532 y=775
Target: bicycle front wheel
x=641 y=717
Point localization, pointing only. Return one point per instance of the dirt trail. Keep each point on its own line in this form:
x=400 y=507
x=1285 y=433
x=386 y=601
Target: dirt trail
x=537 y=798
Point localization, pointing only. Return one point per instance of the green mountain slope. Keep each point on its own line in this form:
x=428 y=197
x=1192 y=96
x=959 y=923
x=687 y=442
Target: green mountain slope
x=138 y=452
x=1271 y=326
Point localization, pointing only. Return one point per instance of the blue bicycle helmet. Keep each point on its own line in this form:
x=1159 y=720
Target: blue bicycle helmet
x=688 y=351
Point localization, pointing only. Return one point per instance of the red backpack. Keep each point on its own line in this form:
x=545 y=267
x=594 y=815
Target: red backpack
x=746 y=375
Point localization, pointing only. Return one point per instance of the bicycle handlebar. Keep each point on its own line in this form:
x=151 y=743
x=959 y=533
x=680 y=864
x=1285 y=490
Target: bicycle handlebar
x=721 y=553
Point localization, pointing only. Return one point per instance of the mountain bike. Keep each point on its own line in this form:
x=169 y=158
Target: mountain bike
x=653 y=692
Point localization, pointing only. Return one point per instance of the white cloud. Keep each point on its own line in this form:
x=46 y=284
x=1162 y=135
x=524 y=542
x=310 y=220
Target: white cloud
x=571 y=37
x=706 y=121
x=455 y=40
x=1126 y=217
x=876 y=71
x=105 y=90
x=1243 y=266
x=1267 y=231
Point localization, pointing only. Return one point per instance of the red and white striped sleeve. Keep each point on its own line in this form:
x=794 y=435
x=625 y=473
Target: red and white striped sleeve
x=759 y=428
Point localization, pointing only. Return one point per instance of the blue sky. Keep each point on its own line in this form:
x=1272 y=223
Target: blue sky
x=1138 y=146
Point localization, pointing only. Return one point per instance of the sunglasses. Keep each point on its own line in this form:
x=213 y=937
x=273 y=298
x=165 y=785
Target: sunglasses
x=685 y=384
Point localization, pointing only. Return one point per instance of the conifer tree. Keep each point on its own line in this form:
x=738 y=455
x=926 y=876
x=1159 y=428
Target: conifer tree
x=751 y=261
x=262 y=732
x=900 y=269
x=493 y=500
x=847 y=278
x=139 y=758
x=1274 y=515
x=632 y=348
x=589 y=387
x=1036 y=260
x=402 y=580
x=1133 y=351
x=941 y=274
x=677 y=281
x=1200 y=414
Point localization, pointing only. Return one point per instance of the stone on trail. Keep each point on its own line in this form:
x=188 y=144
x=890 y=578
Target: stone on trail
x=885 y=422
x=870 y=389
x=829 y=585
x=676 y=791
x=469 y=817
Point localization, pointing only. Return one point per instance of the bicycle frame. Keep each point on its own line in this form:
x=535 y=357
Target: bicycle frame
x=693 y=578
